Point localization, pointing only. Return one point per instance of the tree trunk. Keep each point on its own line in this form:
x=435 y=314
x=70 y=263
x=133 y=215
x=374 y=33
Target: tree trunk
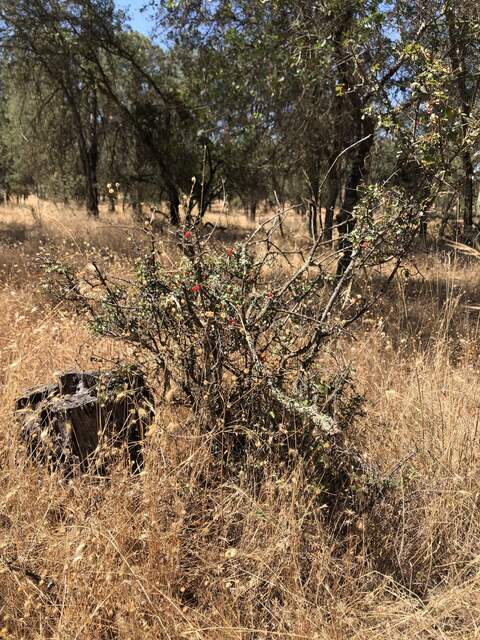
x=314 y=205
x=136 y=210
x=446 y=215
x=252 y=212
x=282 y=218
x=91 y=189
x=174 y=205
x=313 y=220
x=91 y=156
x=458 y=54
x=333 y=189
x=348 y=129
x=468 y=190
x=358 y=170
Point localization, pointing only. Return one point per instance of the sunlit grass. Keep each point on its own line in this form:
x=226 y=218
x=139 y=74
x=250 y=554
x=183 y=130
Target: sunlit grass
x=166 y=556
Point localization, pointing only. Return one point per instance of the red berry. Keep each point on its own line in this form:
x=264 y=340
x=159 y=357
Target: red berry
x=196 y=288
x=229 y=252
x=187 y=235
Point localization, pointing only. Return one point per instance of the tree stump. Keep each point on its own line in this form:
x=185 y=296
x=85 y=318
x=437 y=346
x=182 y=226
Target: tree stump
x=80 y=421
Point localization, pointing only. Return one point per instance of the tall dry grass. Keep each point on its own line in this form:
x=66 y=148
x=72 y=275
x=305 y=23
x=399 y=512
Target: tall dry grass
x=166 y=555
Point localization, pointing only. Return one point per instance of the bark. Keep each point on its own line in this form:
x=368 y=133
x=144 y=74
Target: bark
x=313 y=220
x=468 y=190
x=91 y=188
x=357 y=173
x=137 y=209
x=446 y=215
x=89 y=150
x=136 y=203
x=314 y=206
x=282 y=219
x=457 y=53
x=332 y=196
x=347 y=110
x=174 y=206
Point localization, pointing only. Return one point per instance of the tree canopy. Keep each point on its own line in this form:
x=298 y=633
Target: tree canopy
x=314 y=103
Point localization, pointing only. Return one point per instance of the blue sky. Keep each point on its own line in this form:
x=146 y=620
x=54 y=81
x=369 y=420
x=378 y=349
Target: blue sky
x=139 y=21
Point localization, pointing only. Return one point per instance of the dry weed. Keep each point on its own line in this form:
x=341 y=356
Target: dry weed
x=166 y=555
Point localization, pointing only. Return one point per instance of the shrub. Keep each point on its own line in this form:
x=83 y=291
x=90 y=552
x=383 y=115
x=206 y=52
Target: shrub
x=241 y=331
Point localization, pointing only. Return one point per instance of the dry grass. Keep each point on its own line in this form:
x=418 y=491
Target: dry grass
x=164 y=555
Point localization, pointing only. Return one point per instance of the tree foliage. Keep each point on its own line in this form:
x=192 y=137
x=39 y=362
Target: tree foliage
x=309 y=103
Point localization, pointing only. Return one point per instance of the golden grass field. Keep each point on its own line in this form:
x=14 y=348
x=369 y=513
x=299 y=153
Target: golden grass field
x=149 y=557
